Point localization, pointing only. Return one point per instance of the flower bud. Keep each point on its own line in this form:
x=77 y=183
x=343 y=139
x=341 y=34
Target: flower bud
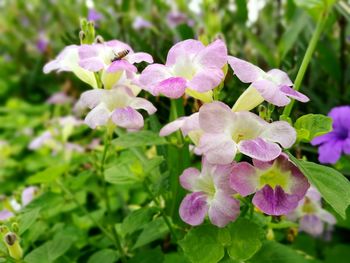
x=12 y=243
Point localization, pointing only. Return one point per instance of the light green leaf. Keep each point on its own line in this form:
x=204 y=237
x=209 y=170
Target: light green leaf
x=201 y=245
x=312 y=125
x=273 y=252
x=137 y=139
x=49 y=251
x=152 y=231
x=121 y=174
x=48 y=175
x=245 y=239
x=333 y=186
x=105 y=255
x=27 y=219
x=137 y=220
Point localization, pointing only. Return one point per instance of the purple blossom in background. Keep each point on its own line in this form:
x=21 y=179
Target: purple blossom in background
x=41 y=44
x=175 y=18
x=278 y=185
x=210 y=195
x=336 y=142
x=5 y=214
x=313 y=219
x=59 y=98
x=28 y=195
x=141 y=23
x=94 y=16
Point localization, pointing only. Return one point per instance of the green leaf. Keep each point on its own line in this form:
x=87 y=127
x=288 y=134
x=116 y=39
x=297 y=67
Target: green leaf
x=152 y=231
x=48 y=175
x=175 y=258
x=273 y=252
x=49 y=251
x=148 y=256
x=121 y=174
x=138 y=139
x=27 y=219
x=312 y=125
x=201 y=245
x=105 y=255
x=137 y=220
x=245 y=239
x=333 y=186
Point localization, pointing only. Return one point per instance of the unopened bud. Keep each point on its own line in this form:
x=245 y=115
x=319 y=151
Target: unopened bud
x=15 y=227
x=12 y=243
x=99 y=39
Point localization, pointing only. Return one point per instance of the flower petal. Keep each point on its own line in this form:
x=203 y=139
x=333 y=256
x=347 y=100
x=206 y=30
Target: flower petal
x=281 y=132
x=330 y=152
x=172 y=87
x=271 y=92
x=244 y=179
x=212 y=56
x=312 y=225
x=275 y=201
x=172 y=127
x=193 y=208
x=92 y=98
x=327 y=217
x=89 y=57
x=280 y=77
x=152 y=75
x=98 y=116
x=206 y=79
x=217 y=148
x=259 y=149
x=139 y=57
x=5 y=214
x=245 y=71
x=324 y=138
x=215 y=117
x=186 y=48
x=140 y=103
x=188 y=178
x=248 y=100
x=121 y=64
x=128 y=118
x=223 y=209
x=28 y=195
x=292 y=93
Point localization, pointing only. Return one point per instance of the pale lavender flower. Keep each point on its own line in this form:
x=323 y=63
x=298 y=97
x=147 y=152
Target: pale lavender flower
x=119 y=105
x=41 y=140
x=210 y=195
x=175 y=18
x=190 y=66
x=5 y=214
x=59 y=98
x=141 y=23
x=312 y=218
x=277 y=185
x=273 y=86
x=333 y=144
x=28 y=195
x=94 y=16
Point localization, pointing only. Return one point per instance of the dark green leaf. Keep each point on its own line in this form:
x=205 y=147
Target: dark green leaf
x=137 y=220
x=105 y=255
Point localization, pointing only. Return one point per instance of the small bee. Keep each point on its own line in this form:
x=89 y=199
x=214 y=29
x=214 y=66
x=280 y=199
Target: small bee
x=120 y=55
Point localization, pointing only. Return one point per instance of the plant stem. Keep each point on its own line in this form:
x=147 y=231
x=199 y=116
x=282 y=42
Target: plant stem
x=307 y=57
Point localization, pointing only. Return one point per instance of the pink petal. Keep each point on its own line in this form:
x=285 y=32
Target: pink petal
x=193 y=208
x=92 y=98
x=275 y=201
x=244 y=178
x=140 y=103
x=172 y=87
x=59 y=63
x=206 y=79
x=244 y=70
x=5 y=214
x=139 y=57
x=212 y=56
x=327 y=217
x=215 y=117
x=28 y=195
x=121 y=64
x=188 y=48
x=280 y=77
x=271 y=92
x=312 y=225
x=294 y=94
x=281 y=132
x=152 y=75
x=89 y=58
x=217 y=148
x=98 y=116
x=223 y=209
x=259 y=149
x=188 y=178
x=128 y=118
x=172 y=127
x=118 y=45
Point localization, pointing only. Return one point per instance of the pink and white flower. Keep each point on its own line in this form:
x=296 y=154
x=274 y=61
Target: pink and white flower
x=210 y=195
x=278 y=185
x=225 y=133
x=119 y=105
x=190 y=66
x=273 y=86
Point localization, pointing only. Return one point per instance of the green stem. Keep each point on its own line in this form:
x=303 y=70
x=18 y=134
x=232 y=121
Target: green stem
x=307 y=57
x=107 y=142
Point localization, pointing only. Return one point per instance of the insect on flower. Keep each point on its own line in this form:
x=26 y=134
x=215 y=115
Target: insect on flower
x=120 y=55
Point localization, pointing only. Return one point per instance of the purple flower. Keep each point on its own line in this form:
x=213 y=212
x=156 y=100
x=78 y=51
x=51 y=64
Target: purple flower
x=190 y=67
x=42 y=42
x=273 y=86
x=336 y=142
x=41 y=140
x=226 y=133
x=5 y=214
x=210 y=195
x=141 y=23
x=175 y=18
x=59 y=98
x=118 y=105
x=28 y=195
x=311 y=216
x=93 y=15
x=278 y=185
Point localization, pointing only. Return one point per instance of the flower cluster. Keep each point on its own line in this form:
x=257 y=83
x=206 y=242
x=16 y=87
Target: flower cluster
x=217 y=131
